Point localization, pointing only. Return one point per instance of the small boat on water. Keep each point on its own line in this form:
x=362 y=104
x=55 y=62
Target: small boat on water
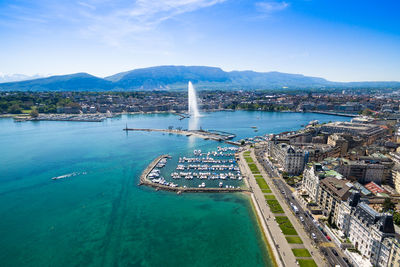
x=67 y=175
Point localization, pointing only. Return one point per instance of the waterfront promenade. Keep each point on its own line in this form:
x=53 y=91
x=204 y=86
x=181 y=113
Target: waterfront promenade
x=284 y=249
x=145 y=181
x=276 y=240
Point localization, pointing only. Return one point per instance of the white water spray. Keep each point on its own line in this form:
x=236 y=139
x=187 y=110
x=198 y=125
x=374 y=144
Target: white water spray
x=192 y=98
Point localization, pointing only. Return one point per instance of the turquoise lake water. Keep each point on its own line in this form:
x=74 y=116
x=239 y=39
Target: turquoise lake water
x=103 y=218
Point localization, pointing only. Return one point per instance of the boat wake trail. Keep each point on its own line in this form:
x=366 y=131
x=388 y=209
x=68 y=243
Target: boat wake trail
x=68 y=175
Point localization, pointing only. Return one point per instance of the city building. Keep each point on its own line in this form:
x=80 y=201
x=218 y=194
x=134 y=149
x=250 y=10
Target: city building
x=368 y=131
x=337 y=140
x=394 y=258
x=362 y=171
x=368 y=231
x=396 y=179
x=290 y=159
x=313 y=173
x=332 y=192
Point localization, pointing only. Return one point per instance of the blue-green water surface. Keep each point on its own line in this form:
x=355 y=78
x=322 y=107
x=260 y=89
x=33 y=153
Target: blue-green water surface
x=103 y=218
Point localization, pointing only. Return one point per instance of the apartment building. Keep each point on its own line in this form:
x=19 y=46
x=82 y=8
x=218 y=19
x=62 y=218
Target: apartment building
x=291 y=159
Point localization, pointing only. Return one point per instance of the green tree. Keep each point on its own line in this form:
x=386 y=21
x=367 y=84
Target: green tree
x=388 y=205
x=367 y=112
x=15 y=109
x=34 y=113
x=396 y=218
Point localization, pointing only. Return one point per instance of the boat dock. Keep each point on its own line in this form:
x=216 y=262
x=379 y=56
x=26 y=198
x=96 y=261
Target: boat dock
x=207 y=135
x=144 y=180
x=335 y=113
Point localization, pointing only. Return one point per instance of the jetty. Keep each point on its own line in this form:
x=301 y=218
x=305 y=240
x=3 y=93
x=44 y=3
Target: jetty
x=335 y=113
x=144 y=180
x=207 y=135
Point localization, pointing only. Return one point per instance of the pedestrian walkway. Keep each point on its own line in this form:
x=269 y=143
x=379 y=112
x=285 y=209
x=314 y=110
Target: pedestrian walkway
x=295 y=236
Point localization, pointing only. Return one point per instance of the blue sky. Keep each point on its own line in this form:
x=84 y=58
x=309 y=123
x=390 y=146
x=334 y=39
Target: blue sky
x=338 y=40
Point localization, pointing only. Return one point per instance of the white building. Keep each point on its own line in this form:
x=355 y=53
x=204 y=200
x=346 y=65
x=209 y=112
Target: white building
x=370 y=232
x=292 y=160
x=310 y=183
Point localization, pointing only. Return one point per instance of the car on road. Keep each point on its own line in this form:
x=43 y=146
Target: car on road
x=301 y=219
x=335 y=252
x=313 y=236
x=283 y=192
x=328 y=237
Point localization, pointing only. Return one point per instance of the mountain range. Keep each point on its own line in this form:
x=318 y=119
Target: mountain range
x=177 y=77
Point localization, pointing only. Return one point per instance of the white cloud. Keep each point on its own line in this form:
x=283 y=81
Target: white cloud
x=114 y=23
x=272 y=6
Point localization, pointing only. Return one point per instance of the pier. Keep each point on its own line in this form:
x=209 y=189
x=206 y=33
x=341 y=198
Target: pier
x=144 y=180
x=335 y=113
x=207 y=135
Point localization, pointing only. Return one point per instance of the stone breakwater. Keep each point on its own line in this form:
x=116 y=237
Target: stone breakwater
x=208 y=135
x=144 y=180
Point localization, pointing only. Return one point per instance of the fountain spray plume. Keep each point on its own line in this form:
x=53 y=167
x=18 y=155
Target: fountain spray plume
x=192 y=98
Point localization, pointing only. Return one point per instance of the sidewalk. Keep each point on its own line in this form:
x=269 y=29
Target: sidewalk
x=285 y=256
x=307 y=243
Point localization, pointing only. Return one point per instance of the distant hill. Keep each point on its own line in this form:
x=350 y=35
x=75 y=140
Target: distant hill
x=177 y=77
x=72 y=82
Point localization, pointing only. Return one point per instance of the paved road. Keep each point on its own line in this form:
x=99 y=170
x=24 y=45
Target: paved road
x=307 y=222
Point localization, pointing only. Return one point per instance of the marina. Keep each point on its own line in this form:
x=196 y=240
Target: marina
x=152 y=176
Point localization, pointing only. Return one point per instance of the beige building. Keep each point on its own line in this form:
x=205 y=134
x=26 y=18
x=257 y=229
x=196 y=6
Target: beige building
x=332 y=192
x=394 y=258
x=368 y=131
x=339 y=141
x=396 y=179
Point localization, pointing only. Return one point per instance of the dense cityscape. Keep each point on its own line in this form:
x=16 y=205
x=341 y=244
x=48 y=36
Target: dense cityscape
x=376 y=103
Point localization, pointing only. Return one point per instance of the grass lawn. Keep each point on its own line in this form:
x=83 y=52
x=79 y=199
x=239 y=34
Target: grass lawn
x=266 y=190
x=262 y=183
x=307 y=263
x=248 y=159
x=253 y=168
x=293 y=240
x=246 y=154
x=285 y=225
x=269 y=197
x=301 y=252
x=258 y=176
x=274 y=206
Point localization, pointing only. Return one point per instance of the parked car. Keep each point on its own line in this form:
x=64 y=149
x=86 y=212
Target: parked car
x=301 y=219
x=328 y=237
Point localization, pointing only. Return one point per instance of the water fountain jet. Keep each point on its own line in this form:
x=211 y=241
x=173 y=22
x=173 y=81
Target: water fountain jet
x=192 y=99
